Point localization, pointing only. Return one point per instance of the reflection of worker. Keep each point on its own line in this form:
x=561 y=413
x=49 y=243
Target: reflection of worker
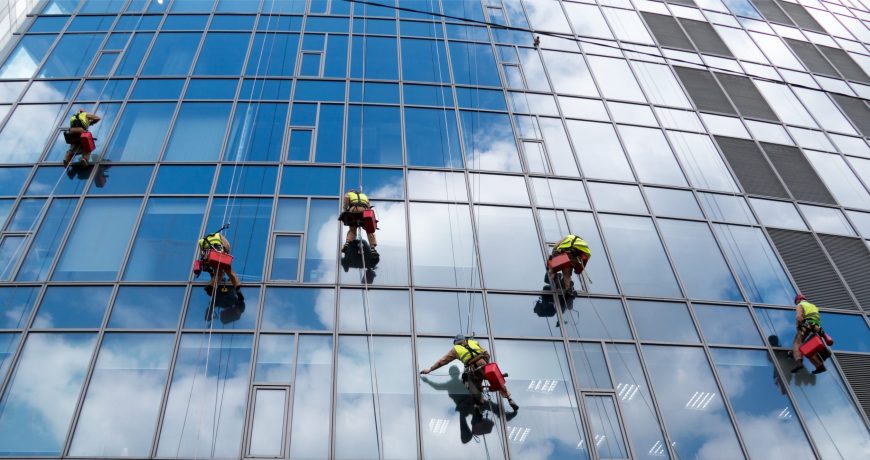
x=217 y=242
x=577 y=249
x=457 y=392
x=354 y=204
x=474 y=357
x=78 y=124
x=809 y=321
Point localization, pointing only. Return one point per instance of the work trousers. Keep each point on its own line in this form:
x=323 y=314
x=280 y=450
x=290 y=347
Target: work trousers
x=219 y=276
x=352 y=227
x=74 y=148
x=473 y=379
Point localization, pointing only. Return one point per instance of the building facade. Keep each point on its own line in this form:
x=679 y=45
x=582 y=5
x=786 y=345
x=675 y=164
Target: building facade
x=713 y=153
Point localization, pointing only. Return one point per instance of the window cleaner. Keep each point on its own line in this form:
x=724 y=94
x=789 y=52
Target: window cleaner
x=808 y=340
x=570 y=255
x=80 y=140
x=477 y=368
x=357 y=213
x=215 y=258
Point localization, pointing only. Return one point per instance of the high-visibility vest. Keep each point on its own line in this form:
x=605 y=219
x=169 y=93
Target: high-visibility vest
x=357 y=199
x=810 y=311
x=469 y=352
x=80 y=118
x=210 y=241
x=574 y=242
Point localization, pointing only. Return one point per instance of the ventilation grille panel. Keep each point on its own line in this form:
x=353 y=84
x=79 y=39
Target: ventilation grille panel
x=852 y=258
x=705 y=38
x=801 y=16
x=809 y=267
x=667 y=31
x=845 y=64
x=811 y=57
x=771 y=12
x=746 y=97
x=704 y=90
x=751 y=168
x=856 y=368
x=857 y=110
x=797 y=173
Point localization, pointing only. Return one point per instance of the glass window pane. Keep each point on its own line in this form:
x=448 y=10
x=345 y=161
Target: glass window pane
x=381 y=138
x=667 y=202
x=489 y=142
x=37 y=408
x=221 y=373
x=99 y=240
x=70 y=307
x=15 y=305
x=824 y=402
x=26 y=130
x=120 y=410
x=175 y=180
x=25 y=58
x=147 y=307
x=617 y=198
x=851 y=331
x=247 y=180
x=171 y=54
x=590 y=365
x=140 y=131
x=431 y=138
x=211 y=89
x=605 y=427
x=157 y=89
x=198 y=132
x=419 y=60
x=321 y=242
x=497 y=225
x=222 y=54
x=248 y=235
x=504 y=310
x=389 y=358
x=650 y=316
x=10 y=252
x=756 y=264
x=498 y=189
x=274 y=359
x=778 y=214
x=699 y=261
x=257 y=132
x=267 y=426
x=71 y=56
x=165 y=241
x=827 y=220
x=46 y=243
x=473 y=64
x=615 y=79
x=638 y=256
x=726 y=208
x=688 y=397
x=434 y=313
x=388 y=311
x=433 y=264
x=593 y=318
x=569 y=73
x=651 y=156
x=599 y=151
x=727 y=324
x=126 y=180
x=702 y=162
x=298 y=309
x=311 y=398
x=285 y=262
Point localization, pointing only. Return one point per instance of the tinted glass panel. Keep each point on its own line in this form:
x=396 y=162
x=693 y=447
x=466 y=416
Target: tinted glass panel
x=198 y=133
x=166 y=239
x=299 y=309
x=699 y=261
x=637 y=254
x=650 y=316
x=147 y=307
x=72 y=307
x=727 y=324
x=311 y=397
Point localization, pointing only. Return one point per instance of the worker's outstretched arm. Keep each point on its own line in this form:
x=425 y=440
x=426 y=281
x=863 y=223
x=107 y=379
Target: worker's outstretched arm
x=450 y=356
x=94 y=119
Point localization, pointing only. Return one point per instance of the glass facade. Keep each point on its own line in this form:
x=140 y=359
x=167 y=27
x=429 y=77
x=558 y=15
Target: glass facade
x=712 y=153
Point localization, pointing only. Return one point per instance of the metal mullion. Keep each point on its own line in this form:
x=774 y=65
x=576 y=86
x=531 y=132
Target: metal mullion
x=29 y=234
x=24 y=327
x=620 y=420
x=251 y=386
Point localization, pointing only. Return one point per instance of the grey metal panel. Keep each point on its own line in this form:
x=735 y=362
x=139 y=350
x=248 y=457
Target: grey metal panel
x=705 y=38
x=857 y=111
x=811 y=57
x=772 y=12
x=704 y=90
x=667 y=31
x=809 y=267
x=801 y=16
x=844 y=63
x=797 y=173
x=752 y=169
x=852 y=259
x=856 y=369
x=683 y=2
x=747 y=98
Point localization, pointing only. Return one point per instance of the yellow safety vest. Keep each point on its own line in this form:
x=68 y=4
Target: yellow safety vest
x=469 y=352
x=210 y=241
x=80 y=118
x=811 y=312
x=357 y=199
x=574 y=242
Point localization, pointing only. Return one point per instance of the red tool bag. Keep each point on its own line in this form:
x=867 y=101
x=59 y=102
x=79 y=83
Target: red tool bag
x=812 y=346
x=215 y=259
x=197 y=267
x=559 y=262
x=370 y=223
x=493 y=375
x=86 y=141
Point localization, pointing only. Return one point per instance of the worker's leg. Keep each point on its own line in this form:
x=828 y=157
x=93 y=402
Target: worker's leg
x=68 y=157
x=351 y=234
x=796 y=349
x=567 y=282
x=373 y=240
x=231 y=274
x=507 y=395
x=474 y=384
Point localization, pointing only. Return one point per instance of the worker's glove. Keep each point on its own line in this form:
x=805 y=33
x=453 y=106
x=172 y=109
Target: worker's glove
x=424 y=371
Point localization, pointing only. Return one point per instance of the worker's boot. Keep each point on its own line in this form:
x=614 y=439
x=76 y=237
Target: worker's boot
x=239 y=293
x=820 y=369
x=209 y=289
x=797 y=367
x=345 y=247
x=375 y=255
x=478 y=410
x=513 y=404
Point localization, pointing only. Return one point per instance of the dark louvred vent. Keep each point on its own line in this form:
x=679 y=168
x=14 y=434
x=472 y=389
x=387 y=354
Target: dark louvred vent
x=746 y=97
x=852 y=259
x=771 y=12
x=801 y=16
x=844 y=63
x=856 y=368
x=811 y=270
x=857 y=111
x=704 y=90
x=797 y=173
x=811 y=57
x=751 y=168
x=705 y=37
x=667 y=32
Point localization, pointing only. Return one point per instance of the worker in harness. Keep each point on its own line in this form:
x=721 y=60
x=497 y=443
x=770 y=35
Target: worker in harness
x=78 y=124
x=354 y=204
x=579 y=253
x=809 y=321
x=217 y=242
x=474 y=357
